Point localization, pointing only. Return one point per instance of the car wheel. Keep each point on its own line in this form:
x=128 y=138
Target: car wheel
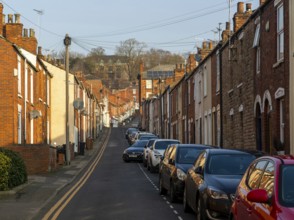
x=144 y=163
x=152 y=168
x=126 y=161
x=173 y=197
x=162 y=190
x=185 y=202
x=200 y=215
x=147 y=165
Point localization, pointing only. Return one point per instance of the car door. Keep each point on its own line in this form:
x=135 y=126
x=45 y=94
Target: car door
x=170 y=166
x=193 y=180
x=262 y=211
x=252 y=180
x=165 y=173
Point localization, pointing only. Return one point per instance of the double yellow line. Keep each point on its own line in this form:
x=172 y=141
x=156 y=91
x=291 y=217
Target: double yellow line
x=62 y=203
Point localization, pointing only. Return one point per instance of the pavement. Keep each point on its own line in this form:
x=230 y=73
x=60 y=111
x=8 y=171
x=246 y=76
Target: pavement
x=25 y=202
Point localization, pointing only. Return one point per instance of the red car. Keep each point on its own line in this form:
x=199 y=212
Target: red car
x=266 y=190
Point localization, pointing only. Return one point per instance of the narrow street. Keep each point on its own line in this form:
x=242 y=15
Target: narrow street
x=118 y=190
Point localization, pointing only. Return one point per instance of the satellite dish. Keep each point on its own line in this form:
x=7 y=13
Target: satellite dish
x=78 y=104
x=35 y=114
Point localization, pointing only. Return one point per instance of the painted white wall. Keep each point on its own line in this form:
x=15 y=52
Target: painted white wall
x=58 y=108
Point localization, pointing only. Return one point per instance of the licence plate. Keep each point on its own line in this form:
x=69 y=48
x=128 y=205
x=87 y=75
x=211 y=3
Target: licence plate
x=132 y=155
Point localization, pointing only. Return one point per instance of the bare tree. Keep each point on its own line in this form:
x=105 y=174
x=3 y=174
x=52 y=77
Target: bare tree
x=132 y=49
x=98 y=51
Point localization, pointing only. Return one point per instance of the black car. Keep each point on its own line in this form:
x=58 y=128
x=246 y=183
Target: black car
x=135 y=151
x=212 y=181
x=129 y=131
x=178 y=158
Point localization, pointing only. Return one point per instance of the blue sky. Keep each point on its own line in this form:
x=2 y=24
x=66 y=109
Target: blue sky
x=173 y=25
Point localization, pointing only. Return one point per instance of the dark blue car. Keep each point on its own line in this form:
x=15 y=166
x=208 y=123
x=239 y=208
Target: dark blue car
x=177 y=159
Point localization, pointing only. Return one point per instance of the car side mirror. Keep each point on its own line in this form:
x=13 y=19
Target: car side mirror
x=258 y=195
x=145 y=147
x=171 y=161
x=199 y=170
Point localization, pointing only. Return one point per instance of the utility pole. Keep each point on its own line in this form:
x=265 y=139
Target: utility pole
x=67 y=42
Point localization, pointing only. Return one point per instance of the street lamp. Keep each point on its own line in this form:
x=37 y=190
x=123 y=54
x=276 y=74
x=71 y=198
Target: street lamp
x=67 y=42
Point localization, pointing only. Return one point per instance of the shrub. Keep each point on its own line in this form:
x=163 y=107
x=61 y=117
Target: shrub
x=5 y=163
x=17 y=169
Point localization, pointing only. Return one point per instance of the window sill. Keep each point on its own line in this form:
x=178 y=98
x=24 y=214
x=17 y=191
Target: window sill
x=19 y=96
x=278 y=63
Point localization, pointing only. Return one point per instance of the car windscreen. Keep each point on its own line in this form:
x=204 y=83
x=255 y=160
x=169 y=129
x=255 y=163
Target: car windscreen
x=162 y=145
x=286 y=191
x=229 y=164
x=147 y=137
x=140 y=144
x=187 y=155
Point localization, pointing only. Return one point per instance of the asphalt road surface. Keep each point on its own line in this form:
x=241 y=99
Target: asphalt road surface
x=117 y=190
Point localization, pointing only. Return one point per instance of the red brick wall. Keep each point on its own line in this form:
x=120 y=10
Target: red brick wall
x=272 y=75
x=238 y=89
x=36 y=157
x=8 y=91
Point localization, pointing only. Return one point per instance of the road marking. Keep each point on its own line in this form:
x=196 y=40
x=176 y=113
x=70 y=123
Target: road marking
x=62 y=203
x=162 y=196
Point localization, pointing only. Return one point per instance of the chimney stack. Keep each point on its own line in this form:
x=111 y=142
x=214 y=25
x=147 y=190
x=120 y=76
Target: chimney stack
x=2 y=16
x=261 y=2
x=240 y=16
x=141 y=66
x=226 y=33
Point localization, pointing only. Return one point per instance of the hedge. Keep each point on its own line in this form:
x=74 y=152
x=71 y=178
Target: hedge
x=5 y=163
x=16 y=169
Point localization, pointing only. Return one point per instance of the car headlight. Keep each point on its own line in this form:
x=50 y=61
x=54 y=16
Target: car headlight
x=216 y=194
x=181 y=174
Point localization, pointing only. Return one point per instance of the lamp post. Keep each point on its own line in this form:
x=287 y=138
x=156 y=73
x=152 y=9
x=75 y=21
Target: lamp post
x=67 y=42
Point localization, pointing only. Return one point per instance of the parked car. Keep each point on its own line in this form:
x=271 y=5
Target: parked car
x=147 y=137
x=129 y=131
x=135 y=151
x=211 y=182
x=266 y=190
x=146 y=151
x=156 y=151
x=137 y=135
x=177 y=159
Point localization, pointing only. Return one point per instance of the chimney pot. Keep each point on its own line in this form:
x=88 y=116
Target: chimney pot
x=17 y=18
x=248 y=7
x=204 y=45
x=240 y=7
x=10 y=18
x=227 y=26
x=261 y=2
x=210 y=45
x=32 y=32
x=39 y=50
x=25 y=32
